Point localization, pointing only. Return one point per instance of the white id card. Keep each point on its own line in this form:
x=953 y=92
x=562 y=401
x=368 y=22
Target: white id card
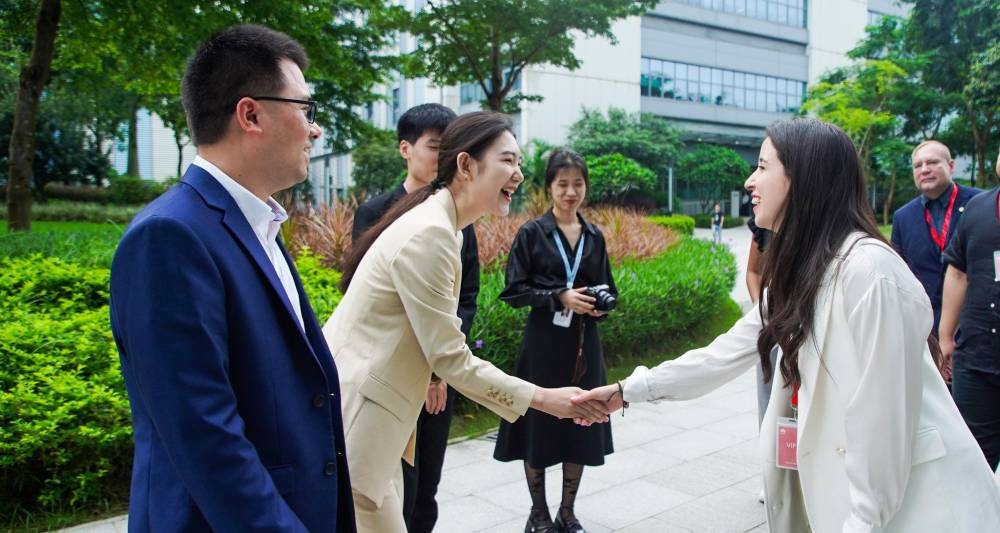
x=563 y=320
x=786 y=452
x=996 y=265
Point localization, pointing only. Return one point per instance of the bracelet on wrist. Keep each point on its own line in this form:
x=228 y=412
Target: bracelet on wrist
x=621 y=392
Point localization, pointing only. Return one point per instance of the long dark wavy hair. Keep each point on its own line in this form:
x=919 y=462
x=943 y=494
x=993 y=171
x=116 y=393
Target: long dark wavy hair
x=825 y=203
x=471 y=133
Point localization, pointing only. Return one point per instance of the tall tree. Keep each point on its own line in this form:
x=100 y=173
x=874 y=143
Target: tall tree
x=141 y=46
x=491 y=42
x=713 y=171
x=644 y=137
x=34 y=76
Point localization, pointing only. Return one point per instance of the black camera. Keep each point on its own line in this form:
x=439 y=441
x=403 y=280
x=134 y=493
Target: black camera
x=604 y=300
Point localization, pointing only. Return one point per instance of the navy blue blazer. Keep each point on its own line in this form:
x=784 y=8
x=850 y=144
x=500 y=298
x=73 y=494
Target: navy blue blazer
x=912 y=239
x=235 y=409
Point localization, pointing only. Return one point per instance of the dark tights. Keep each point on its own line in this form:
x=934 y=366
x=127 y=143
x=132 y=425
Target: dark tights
x=536 y=487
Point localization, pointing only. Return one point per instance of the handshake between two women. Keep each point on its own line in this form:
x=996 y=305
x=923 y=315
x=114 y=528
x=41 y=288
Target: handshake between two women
x=585 y=407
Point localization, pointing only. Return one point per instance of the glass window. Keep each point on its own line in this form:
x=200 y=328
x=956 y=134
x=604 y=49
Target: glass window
x=716 y=94
x=680 y=90
x=772 y=84
x=782 y=102
x=716 y=76
x=706 y=74
x=655 y=88
x=681 y=72
x=644 y=84
x=668 y=69
x=738 y=97
x=772 y=102
x=668 y=87
x=760 y=98
x=727 y=77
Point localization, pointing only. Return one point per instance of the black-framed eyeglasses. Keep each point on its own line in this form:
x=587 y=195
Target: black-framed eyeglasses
x=310 y=113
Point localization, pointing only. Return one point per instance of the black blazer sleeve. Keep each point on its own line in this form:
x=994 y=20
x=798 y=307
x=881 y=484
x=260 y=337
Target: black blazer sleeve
x=364 y=218
x=520 y=291
x=469 y=290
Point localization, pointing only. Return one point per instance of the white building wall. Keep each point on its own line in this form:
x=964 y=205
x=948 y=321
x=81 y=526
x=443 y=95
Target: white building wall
x=835 y=27
x=608 y=76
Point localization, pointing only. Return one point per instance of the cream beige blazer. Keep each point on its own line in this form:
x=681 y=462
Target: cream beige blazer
x=881 y=445
x=396 y=324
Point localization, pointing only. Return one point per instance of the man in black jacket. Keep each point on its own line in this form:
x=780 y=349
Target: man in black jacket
x=419 y=134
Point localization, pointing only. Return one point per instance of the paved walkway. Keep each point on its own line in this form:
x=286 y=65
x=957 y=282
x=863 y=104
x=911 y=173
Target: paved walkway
x=678 y=467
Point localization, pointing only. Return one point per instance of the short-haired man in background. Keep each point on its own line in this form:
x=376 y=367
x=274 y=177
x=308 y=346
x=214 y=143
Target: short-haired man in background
x=922 y=228
x=419 y=135
x=972 y=305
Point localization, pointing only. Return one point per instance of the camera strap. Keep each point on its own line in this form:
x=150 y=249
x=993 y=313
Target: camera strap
x=570 y=270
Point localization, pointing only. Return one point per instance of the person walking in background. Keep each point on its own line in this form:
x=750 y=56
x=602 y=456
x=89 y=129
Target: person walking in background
x=419 y=135
x=396 y=324
x=971 y=305
x=922 y=228
x=235 y=397
x=861 y=435
x=717 y=219
x=559 y=266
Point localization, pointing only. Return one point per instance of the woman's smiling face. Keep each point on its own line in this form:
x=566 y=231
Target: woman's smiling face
x=768 y=187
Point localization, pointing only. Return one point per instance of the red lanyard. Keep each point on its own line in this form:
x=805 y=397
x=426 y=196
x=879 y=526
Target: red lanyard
x=795 y=401
x=942 y=239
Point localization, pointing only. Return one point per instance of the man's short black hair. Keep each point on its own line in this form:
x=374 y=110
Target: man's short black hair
x=423 y=118
x=239 y=61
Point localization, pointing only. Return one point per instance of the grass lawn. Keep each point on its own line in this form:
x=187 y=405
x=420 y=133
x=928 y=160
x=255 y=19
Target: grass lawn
x=90 y=244
x=475 y=421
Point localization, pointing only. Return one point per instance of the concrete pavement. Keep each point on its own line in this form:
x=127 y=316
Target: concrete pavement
x=678 y=467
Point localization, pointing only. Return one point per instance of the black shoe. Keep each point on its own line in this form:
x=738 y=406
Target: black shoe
x=540 y=524
x=571 y=525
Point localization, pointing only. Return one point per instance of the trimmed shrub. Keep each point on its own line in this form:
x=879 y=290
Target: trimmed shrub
x=682 y=224
x=76 y=193
x=320 y=284
x=66 y=211
x=614 y=176
x=65 y=435
x=704 y=220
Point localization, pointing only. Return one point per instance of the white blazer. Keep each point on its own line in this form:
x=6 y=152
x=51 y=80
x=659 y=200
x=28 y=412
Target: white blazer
x=881 y=445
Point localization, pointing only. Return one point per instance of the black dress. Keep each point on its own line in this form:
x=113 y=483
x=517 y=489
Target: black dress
x=548 y=353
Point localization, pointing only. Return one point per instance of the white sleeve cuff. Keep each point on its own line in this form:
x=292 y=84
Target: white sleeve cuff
x=635 y=388
x=857 y=525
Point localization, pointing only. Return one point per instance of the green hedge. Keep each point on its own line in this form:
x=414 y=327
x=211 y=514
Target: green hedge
x=65 y=433
x=704 y=220
x=65 y=211
x=682 y=224
x=657 y=299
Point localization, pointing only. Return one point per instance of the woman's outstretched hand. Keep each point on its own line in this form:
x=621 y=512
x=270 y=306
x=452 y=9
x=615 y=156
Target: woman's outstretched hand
x=607 y=395
x=560 y=404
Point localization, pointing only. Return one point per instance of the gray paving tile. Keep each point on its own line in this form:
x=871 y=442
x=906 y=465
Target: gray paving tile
x=630 y=464
x=653 y=525
x=704 y=475
x=471 y=513
x=724 y=511
x=690 y=444
x=628 y=503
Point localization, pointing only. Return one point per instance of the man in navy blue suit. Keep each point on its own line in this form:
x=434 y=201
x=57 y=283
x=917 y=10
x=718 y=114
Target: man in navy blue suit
x=922 y=228
x=234 y=394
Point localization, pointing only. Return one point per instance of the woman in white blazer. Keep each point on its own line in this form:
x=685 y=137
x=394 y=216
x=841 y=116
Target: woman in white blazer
x=397 y=322
x=878 y=441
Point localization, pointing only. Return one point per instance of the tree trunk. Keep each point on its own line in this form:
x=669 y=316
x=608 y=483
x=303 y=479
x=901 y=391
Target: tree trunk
x=180 y=152
x=888 y=200
x=133 y=144
x=34 y=77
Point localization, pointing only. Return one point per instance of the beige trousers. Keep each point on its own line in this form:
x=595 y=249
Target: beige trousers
x=385 y=519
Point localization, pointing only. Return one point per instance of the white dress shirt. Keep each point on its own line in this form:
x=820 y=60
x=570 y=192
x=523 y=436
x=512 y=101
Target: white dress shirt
x=265 y=219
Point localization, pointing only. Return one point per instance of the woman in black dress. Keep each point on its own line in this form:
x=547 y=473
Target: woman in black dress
x=554 y=260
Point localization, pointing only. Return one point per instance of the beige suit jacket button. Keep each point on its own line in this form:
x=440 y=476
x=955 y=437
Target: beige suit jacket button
x=841 y=451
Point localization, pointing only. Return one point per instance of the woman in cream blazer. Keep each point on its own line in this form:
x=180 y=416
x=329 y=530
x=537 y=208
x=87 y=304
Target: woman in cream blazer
x=397 y=322
x=881 y=446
